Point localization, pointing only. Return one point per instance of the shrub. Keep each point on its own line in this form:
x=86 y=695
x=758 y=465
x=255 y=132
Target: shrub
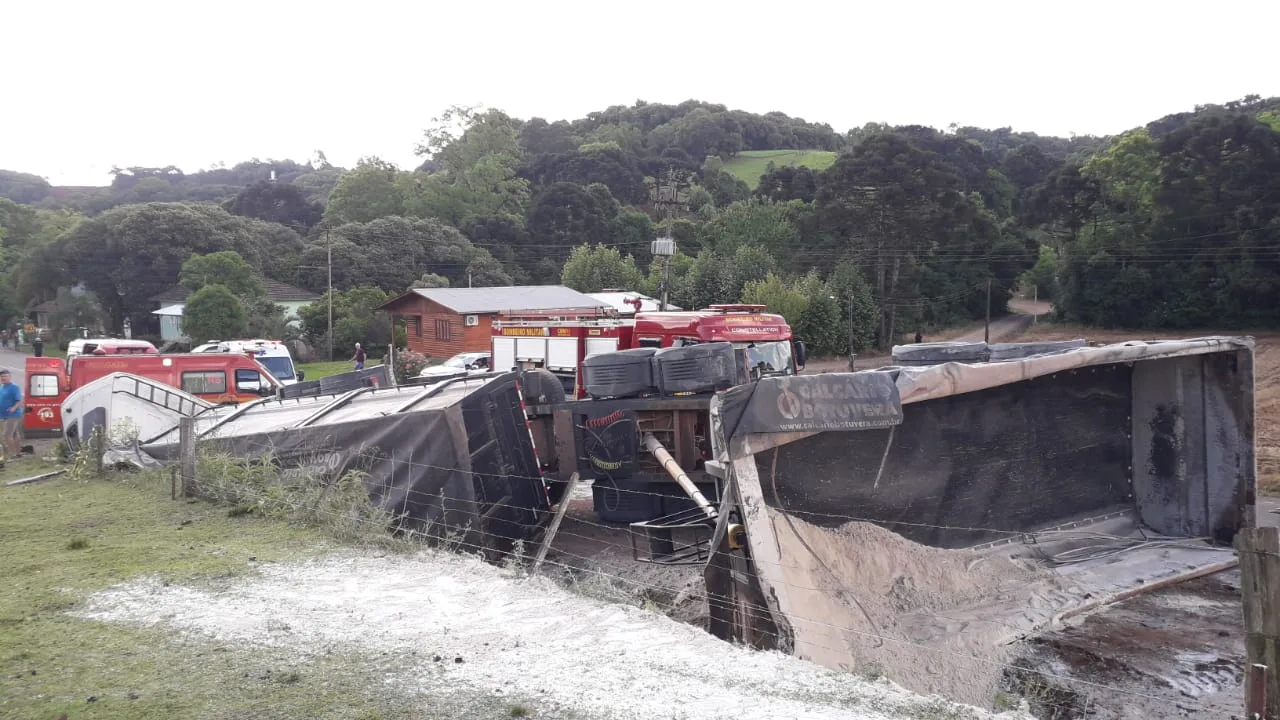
x=409 y=364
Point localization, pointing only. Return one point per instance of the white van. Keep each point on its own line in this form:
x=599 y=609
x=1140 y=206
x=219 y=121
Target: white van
x=273 y=354
x=109 y=346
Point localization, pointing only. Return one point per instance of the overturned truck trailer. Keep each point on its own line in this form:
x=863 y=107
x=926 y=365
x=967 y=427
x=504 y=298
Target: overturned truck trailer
x=456 y=459
x=963 y=507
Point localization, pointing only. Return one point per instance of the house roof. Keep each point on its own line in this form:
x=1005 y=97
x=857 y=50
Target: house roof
x=276 y=292
x=498 y=299
x=174 y=310
x=47 y=306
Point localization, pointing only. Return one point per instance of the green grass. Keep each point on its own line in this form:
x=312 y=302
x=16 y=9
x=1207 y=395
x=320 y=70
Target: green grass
x=65 y=538
x=749 y=165
x=317 y=370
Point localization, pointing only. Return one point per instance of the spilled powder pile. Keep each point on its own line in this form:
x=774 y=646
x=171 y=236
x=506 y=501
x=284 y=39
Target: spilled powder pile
x=863 y=598
x=527 y=639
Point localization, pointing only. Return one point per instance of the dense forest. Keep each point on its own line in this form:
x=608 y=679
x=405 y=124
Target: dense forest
x=1173 y=225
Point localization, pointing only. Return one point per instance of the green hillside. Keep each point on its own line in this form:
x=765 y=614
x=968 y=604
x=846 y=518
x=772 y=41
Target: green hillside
x=749 y=165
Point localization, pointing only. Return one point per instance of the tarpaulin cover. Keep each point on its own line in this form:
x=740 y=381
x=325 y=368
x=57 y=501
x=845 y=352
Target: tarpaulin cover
x=925 y=383
x=378 y=376
x=974 y=352
x=468 y=468
x=835 y=401
x=1012 y=458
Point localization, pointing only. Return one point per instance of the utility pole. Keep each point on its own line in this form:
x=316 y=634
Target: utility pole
x=664 y=247
x=853 y=357
x=329 y=249
x=468 y=278
x=986 y=329
x=1035 y=303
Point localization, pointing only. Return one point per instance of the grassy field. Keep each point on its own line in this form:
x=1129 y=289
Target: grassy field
x=68 y=537
x=749 y=165
x=317 y=370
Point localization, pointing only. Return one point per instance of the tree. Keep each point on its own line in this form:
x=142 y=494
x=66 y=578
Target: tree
x=1042 y=279
x=225 y=268
x=77 y=308
x=213 y=313
x=372 y=190
x=764 y=224
x=564 y=216
x=431 y=280
x=809 y=306
x=393 y=252
x=129 y=254
x=859 y=313
x=278 y=203
x=355 y=320
x=779 y=295
x=715 y=277
x=594 y=268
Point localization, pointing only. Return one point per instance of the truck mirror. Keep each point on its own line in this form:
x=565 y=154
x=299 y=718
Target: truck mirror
x=801 y=354
x=302 y=375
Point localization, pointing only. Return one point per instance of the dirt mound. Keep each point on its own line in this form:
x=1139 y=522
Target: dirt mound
x=933 y=620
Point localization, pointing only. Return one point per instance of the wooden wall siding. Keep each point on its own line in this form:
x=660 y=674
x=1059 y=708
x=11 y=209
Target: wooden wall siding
x=424 y=318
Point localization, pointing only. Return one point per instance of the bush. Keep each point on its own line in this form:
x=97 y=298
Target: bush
x=409 y=364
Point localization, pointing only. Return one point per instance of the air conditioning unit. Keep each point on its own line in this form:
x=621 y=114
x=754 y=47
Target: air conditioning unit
x=471 y=320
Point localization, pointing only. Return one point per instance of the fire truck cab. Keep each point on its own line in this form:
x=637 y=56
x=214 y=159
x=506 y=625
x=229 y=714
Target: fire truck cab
x=559 y=340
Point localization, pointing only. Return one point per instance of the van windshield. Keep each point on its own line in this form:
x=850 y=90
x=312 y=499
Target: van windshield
x=280 y=367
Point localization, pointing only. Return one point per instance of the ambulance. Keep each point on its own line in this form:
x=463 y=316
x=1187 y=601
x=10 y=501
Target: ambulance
x=273 y=354
x=220 y=379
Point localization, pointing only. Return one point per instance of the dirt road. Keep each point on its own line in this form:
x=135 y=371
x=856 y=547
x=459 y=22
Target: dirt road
x=1007 y=328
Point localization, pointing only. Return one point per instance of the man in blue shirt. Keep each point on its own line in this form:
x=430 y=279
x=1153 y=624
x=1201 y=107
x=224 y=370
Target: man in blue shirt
x=10 y=415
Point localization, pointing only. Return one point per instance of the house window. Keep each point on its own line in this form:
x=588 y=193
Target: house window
x=204 y=382
x=414 y=326
x=43 y=386
x=443 y=330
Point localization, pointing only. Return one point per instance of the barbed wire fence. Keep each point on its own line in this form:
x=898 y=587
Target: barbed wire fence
x=337 y=498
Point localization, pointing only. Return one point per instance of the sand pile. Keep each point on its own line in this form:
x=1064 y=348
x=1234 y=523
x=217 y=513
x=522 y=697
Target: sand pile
x=865 y=599
x=458 y=626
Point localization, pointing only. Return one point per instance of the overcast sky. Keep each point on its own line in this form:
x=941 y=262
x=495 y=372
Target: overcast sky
x=91 y=84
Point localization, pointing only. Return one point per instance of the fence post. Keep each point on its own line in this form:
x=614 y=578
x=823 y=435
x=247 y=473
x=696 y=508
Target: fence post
x=561 y=509
x=1259 y=550
x=187 y=454
x=99 y=444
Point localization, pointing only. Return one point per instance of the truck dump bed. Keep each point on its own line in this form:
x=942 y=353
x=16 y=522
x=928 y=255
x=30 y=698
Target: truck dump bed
x=962 y=507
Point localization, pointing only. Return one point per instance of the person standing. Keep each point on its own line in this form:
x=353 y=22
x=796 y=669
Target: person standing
x=10 y=416
x=359 y=357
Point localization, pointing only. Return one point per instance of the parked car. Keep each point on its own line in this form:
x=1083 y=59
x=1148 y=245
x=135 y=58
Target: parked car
x=467 y=363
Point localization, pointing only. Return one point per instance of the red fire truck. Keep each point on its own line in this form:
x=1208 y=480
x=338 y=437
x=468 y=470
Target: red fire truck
x=218 y=378
x=559 y=340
